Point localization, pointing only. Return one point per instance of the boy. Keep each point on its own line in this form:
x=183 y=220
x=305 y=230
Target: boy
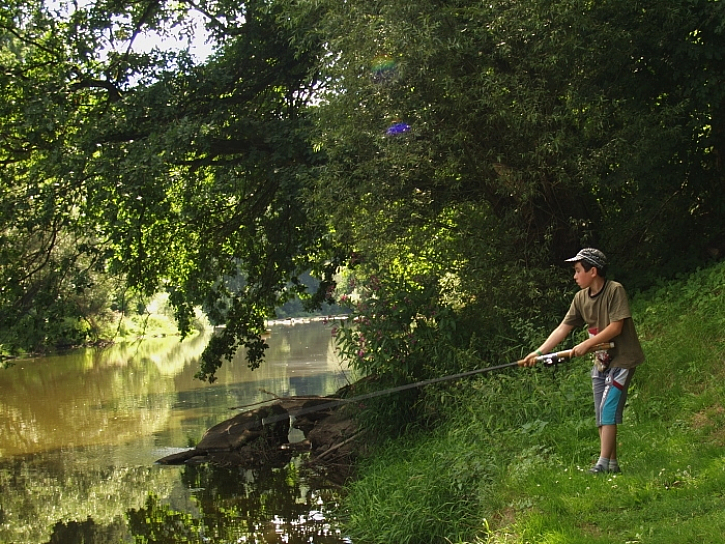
x=603 y=306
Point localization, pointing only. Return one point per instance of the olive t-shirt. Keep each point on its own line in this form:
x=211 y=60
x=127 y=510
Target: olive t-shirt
x=608 y=305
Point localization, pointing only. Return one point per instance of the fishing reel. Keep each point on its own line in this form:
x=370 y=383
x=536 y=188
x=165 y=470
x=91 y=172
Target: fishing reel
x=551 y=359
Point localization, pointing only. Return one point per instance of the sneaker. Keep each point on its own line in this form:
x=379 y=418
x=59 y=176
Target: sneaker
x=615 y=470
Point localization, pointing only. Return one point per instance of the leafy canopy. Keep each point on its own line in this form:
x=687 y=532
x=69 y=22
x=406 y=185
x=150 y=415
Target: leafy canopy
x=482 y=143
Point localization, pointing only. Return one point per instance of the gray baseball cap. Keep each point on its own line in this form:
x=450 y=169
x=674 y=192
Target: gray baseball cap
x=592 y=256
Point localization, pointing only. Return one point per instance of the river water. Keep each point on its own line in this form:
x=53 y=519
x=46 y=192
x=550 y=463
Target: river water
x=80 y=434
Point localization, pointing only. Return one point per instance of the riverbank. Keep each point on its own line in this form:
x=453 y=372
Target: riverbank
x=508 y=461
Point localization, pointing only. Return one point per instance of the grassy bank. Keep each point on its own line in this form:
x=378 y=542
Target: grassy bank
x=509 y=463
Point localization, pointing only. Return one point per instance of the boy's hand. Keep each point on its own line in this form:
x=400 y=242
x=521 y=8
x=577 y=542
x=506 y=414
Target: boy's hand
x=530 y=359
x=581 y=349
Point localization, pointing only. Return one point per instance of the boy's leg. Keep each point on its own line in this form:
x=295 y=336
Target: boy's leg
x=598 y=388
x=608 y=442
x=610 y=395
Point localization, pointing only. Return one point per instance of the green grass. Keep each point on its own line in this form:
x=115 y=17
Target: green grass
x=509 y=464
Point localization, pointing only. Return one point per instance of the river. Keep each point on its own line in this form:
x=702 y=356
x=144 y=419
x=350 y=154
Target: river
x=80 y=434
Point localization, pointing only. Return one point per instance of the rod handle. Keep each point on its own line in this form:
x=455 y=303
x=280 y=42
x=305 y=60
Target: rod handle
x=567 y=353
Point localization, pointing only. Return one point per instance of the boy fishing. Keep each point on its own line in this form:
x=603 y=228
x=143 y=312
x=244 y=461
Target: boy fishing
x=602 y=306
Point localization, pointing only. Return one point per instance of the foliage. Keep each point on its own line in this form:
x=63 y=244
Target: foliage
x=522 y=131
x=163 y=174
x=437 y=311
x=302 y=307
x=567 y=123
x=515 y=145
x=400 y=331
x=516 y=445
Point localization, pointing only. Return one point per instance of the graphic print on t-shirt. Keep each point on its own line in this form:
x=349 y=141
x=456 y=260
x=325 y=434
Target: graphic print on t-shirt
x=601 y=357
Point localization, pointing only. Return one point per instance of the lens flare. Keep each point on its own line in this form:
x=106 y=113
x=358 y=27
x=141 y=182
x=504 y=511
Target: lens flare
x=397 y=128
x=383 y=68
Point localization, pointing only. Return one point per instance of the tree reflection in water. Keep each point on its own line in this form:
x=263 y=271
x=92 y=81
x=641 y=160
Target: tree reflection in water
x=234 y=505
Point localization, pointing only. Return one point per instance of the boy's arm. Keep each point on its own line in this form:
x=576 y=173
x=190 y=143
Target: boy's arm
x=608 y=333
x=556 y=336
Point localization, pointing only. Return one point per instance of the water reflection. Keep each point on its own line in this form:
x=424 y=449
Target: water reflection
x=91 y=397
x=80 y=433
x=189 y=504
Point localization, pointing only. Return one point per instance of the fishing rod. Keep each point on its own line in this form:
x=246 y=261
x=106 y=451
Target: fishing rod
x=548 y=359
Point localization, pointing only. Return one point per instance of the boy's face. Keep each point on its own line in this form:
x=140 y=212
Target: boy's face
x=583 y=278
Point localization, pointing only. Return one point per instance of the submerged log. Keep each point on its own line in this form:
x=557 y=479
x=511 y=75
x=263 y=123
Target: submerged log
x=260 y=437
x=243 y=431
x=243 y=428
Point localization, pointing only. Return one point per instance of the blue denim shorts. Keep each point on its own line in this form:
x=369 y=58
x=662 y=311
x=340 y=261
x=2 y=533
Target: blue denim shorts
x=610 y=393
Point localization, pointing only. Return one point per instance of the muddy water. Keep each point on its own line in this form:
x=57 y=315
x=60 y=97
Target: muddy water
x=79 y=435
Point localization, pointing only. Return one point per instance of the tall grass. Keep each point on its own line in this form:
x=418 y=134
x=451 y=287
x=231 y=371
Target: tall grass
x=509 y=465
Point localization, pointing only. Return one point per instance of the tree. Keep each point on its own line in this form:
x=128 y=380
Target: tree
x=174 y=176
x=573 y=122
x=496 y=139
x=482 y=143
